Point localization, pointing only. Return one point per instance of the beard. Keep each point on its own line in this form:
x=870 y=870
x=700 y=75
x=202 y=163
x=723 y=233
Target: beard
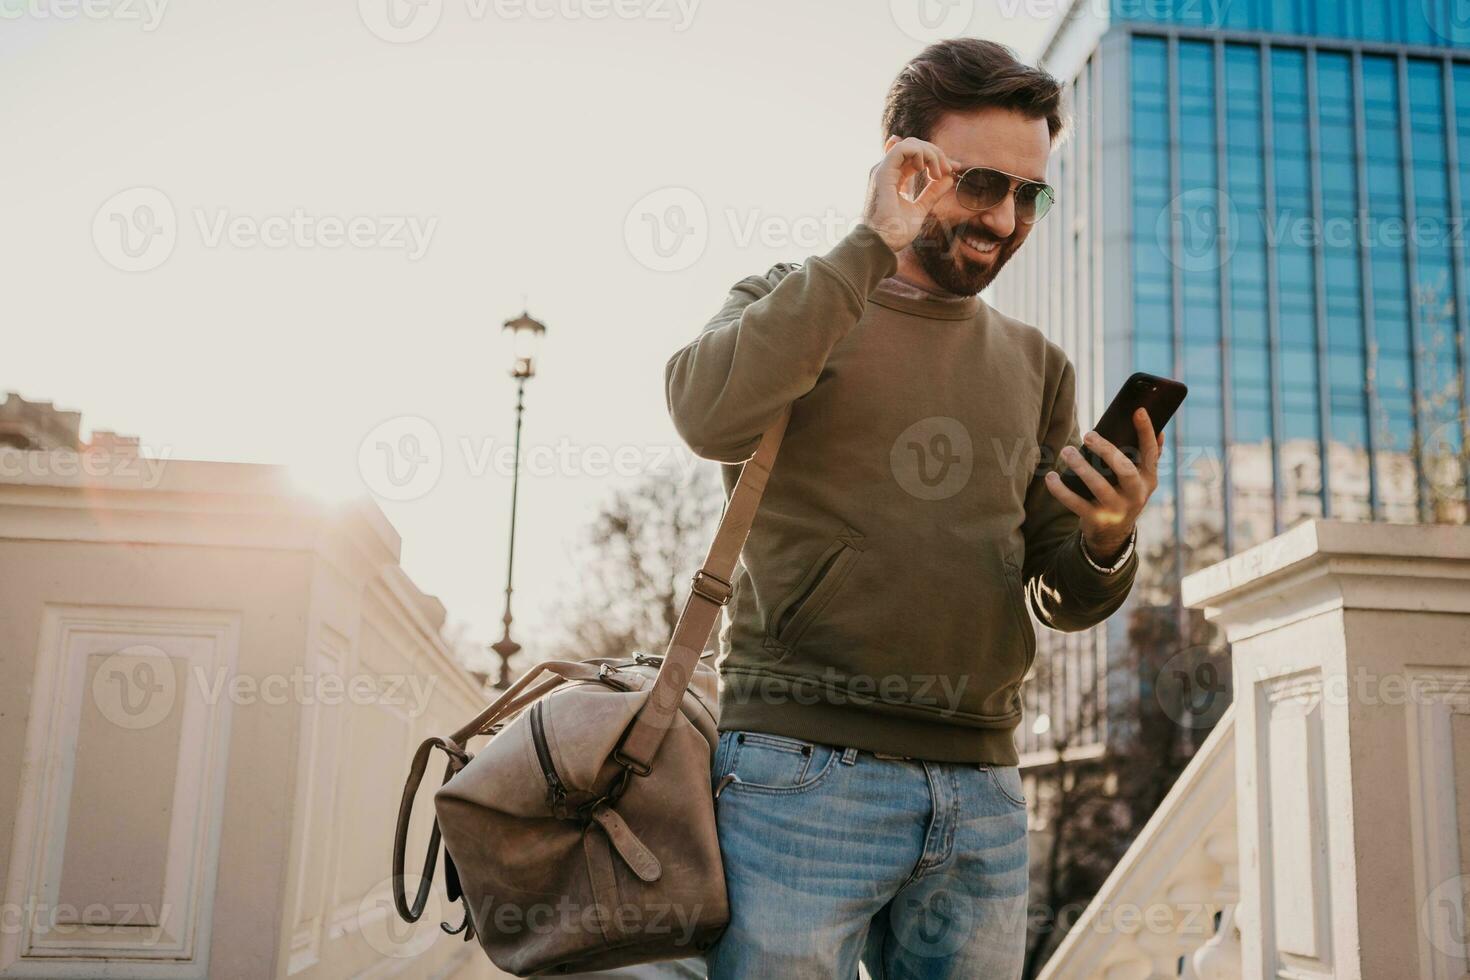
x=938 y=250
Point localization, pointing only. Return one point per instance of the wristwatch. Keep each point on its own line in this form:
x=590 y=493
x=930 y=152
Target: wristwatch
x=1122 y=557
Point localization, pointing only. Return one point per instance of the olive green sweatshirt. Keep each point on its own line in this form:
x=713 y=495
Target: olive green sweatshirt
x=881 y=601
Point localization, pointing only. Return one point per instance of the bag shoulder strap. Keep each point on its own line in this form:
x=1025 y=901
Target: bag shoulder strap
x=709 y=592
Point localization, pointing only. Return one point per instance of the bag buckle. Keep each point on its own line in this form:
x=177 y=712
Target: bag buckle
x=629 y=765
x=562 y=809
x=614 y=793
x=711 y=587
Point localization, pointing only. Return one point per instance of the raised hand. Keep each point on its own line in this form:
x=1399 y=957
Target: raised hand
x=890 y=210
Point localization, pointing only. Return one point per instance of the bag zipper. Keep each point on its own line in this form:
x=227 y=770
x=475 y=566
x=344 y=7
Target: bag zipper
x=556 y=790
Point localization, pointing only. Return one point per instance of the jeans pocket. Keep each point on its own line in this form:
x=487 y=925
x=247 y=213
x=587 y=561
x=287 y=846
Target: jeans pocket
x=1007 y=780
x=762 y=763
x=721 y=755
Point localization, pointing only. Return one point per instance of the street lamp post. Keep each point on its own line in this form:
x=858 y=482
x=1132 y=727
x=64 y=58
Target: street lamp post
x=526 y=334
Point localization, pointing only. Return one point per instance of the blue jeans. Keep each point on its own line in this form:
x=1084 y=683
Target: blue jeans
x=918 y=869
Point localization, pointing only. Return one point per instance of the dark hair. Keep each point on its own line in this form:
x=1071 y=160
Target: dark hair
x=964 y=74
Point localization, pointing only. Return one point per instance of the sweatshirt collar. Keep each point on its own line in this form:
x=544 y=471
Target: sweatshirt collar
x=895 y=294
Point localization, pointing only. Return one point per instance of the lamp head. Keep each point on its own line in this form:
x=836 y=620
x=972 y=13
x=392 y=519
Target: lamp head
x=525 y=335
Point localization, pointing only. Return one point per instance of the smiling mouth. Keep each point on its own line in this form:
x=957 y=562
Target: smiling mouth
x=983 y=247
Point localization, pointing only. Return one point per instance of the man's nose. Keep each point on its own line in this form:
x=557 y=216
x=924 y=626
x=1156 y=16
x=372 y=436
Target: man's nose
x=1000 y=220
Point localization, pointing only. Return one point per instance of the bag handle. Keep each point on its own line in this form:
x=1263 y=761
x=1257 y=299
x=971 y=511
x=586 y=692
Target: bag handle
x=457 y=759
x=708 y=593
x=517 y=696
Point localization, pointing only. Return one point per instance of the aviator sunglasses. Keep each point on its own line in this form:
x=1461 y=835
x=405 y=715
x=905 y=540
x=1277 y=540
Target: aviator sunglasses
x=982 y=188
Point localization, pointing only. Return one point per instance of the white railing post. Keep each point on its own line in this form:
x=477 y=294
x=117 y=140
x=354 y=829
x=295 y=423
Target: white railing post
x=1351 y=659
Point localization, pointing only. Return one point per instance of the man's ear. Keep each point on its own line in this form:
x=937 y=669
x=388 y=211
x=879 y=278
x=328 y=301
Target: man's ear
x=889 y=143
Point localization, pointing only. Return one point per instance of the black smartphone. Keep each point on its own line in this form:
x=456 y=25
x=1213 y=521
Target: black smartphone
x=1161 y=397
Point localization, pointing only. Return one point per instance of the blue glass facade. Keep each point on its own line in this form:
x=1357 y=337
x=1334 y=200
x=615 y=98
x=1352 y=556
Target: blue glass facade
x=1417 y=22
x=1344 y=339
x=1247 y=318
x=1298 y=260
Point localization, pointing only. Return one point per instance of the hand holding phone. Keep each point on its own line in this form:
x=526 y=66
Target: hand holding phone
x=1159 y=397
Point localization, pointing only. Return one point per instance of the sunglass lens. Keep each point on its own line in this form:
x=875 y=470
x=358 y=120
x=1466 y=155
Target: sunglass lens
x=980 y=189
x=1033 y=201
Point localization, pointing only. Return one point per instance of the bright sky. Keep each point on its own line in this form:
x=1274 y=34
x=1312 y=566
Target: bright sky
x=360 y=194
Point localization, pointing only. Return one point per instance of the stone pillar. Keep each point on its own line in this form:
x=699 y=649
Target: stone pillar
x=1351 y=650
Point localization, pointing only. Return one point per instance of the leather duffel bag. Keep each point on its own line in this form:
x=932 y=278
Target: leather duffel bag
x=581 y=835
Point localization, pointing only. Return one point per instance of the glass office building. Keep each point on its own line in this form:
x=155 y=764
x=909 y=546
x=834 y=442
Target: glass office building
x=1265 y=199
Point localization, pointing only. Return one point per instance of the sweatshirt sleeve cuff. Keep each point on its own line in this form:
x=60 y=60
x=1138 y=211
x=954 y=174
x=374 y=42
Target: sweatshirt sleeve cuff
x=863 y=260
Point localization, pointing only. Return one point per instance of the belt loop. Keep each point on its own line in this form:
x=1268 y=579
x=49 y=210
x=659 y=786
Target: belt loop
x=849 y=756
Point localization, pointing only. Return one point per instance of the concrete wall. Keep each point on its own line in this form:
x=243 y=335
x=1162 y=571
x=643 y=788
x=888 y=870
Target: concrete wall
x=212 y=687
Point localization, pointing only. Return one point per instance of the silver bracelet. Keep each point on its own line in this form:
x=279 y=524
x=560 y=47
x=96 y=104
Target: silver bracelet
x=1122 y=559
